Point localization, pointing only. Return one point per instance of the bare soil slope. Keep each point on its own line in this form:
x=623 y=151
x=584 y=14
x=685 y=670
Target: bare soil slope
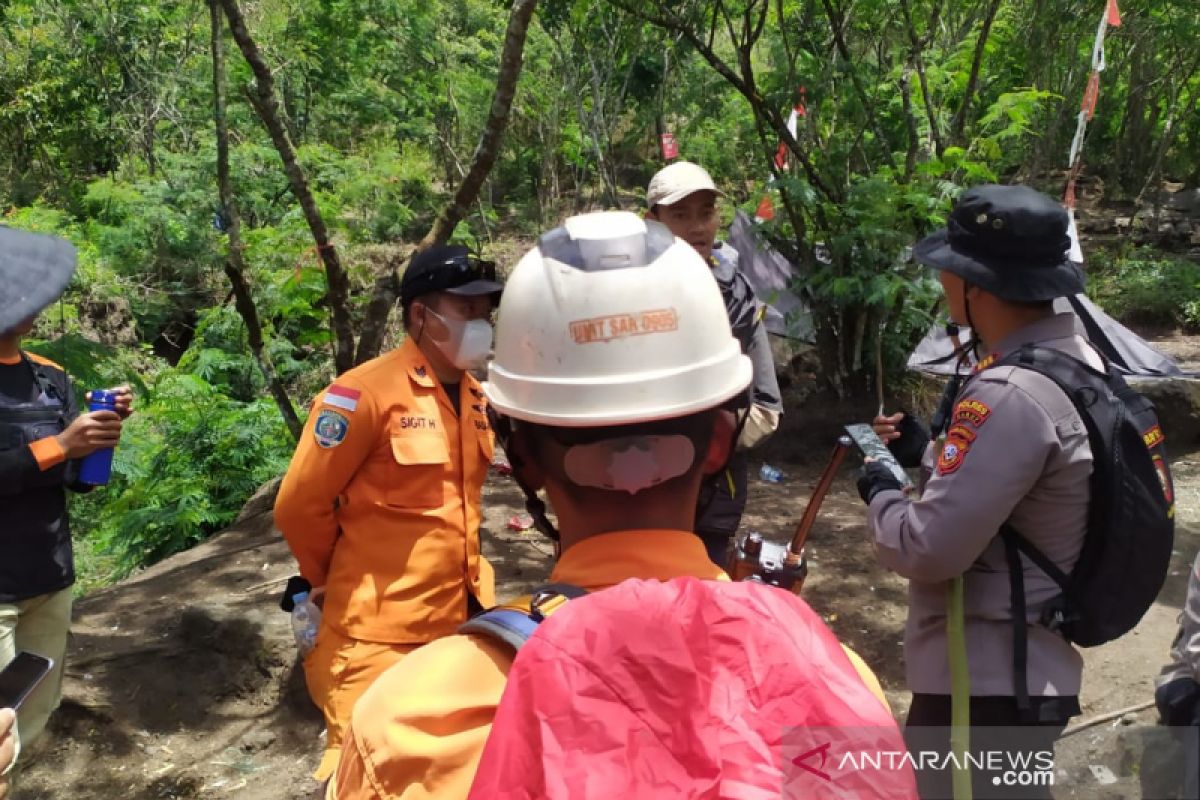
x=182 y=682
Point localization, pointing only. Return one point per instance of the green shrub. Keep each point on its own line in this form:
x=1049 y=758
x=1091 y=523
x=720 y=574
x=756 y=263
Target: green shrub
x=188 y=460
x=1146 y=287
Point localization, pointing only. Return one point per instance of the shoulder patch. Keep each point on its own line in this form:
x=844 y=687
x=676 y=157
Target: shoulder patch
x=1153 y=437
x=330 y=429
x=954 y=450
x=960 y=431
x=974 y=412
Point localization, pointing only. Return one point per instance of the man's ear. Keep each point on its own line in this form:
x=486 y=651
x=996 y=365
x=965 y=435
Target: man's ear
x=720 y=446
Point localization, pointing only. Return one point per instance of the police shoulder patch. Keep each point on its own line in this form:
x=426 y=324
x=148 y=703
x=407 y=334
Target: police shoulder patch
x=330 y=429
x=974 y=412
x=954 y=450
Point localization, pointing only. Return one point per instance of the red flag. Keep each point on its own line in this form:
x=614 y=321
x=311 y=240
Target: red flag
x=1114 y=14
x=1090 y=95
x=669 y=148
x=781 y=157
x=766 y=209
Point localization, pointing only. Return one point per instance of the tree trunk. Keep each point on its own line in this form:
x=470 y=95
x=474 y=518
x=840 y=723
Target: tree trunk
x=234 y=266
x=387 y=286
x=267 y=106
x=960 y=119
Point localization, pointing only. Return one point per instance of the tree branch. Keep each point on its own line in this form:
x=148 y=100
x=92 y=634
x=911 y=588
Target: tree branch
x=387 y=286
x=960 y=118
x=868 y=105
x=235 y=269
x=267 y=107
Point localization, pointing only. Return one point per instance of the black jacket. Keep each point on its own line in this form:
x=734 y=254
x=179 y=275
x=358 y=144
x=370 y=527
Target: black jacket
x=36 y=401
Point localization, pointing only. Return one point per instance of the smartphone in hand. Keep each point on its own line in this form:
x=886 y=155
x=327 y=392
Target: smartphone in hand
x=873 y=447
x=21 y=677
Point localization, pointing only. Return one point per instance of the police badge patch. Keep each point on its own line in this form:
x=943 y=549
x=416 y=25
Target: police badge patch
x=330 y=429
x=958 y=442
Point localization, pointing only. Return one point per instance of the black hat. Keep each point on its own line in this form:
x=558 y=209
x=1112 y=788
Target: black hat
x=34 y=271
x=1010 y=241
x=447 y=268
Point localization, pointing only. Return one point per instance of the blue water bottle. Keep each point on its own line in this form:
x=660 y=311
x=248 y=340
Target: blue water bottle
x=97 y=466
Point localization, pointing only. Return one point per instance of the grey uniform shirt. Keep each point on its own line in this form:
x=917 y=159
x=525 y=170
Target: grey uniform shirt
x=1016 y=450
x=1185 y=650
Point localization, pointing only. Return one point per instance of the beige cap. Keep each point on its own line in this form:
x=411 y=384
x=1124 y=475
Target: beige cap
x=676 y=181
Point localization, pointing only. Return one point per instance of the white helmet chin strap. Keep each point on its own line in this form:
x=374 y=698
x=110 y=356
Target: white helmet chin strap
x=629 y=463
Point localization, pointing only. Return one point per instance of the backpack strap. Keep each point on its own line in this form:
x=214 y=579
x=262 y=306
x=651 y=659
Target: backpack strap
x=513 y=624
x=1016 y=592
x=1053 y=615
x=509 y=626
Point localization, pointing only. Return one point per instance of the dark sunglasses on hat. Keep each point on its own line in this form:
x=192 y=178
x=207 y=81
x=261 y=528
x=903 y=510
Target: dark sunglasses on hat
x=444 y=270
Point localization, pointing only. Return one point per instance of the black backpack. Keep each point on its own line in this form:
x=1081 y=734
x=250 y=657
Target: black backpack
x=1131 y=517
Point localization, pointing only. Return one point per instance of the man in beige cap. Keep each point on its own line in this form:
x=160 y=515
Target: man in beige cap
x=683 y=197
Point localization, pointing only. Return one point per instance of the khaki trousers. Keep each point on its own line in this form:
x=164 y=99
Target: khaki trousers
x=39 y=625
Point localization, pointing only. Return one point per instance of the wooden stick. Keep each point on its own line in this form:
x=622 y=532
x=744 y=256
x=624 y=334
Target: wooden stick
x=265 y=584
x=1094 y=721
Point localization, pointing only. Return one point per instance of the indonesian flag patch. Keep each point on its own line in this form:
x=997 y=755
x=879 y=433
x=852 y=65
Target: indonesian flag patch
x=341 y=397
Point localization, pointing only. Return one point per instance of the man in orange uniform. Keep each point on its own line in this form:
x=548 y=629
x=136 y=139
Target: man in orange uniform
x=613 y=359
x=380 y=505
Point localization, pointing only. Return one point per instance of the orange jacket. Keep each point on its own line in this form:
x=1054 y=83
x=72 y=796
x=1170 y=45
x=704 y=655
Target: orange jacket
x=381 y=502
x=419 y=731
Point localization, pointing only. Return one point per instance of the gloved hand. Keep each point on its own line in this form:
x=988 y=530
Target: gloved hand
x=906 y=437
x=873 y=478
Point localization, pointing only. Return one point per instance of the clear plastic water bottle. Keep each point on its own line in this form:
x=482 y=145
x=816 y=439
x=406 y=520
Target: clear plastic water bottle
x=96 y=467
x=770 y=474
x=306 y=619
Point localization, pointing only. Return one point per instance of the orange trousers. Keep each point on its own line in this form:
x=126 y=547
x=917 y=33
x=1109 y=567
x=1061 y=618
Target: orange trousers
x=338 y=670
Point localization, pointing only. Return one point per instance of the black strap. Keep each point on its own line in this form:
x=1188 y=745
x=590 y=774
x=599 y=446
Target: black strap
x=44 y=384
x=1016 y=588
x=1096 y=335
x=1036 y=556
x=941 y=417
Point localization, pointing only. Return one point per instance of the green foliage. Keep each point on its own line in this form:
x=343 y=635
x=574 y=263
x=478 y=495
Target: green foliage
x=1146 y=287
x=188 y=460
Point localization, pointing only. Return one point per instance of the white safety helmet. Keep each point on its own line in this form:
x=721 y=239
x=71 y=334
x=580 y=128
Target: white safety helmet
x=612 y=320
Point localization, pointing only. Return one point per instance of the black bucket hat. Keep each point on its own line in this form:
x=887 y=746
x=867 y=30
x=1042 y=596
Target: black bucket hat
x=1010 y=241
x=34 y=271
x=448 y=268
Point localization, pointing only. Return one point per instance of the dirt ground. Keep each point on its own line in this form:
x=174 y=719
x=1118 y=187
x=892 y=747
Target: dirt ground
x=182 y=682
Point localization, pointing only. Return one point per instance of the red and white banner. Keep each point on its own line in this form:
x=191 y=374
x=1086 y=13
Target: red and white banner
x=670 y=149
x=1087 y=109
x=766 y=209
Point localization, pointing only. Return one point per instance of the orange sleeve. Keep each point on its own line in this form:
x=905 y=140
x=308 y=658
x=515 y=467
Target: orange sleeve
x=48 y=452
x=419 y=731
x=323 y=465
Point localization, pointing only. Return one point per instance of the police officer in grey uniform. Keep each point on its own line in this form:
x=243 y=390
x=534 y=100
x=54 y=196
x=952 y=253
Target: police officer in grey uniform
x=1014 y=450
x=1177 y=692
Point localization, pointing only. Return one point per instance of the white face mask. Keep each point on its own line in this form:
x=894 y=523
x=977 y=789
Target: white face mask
x=470 y=341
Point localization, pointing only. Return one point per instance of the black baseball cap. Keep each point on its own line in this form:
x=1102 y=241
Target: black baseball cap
x=448 y=268
x=1010 y=241
x=34 y=270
